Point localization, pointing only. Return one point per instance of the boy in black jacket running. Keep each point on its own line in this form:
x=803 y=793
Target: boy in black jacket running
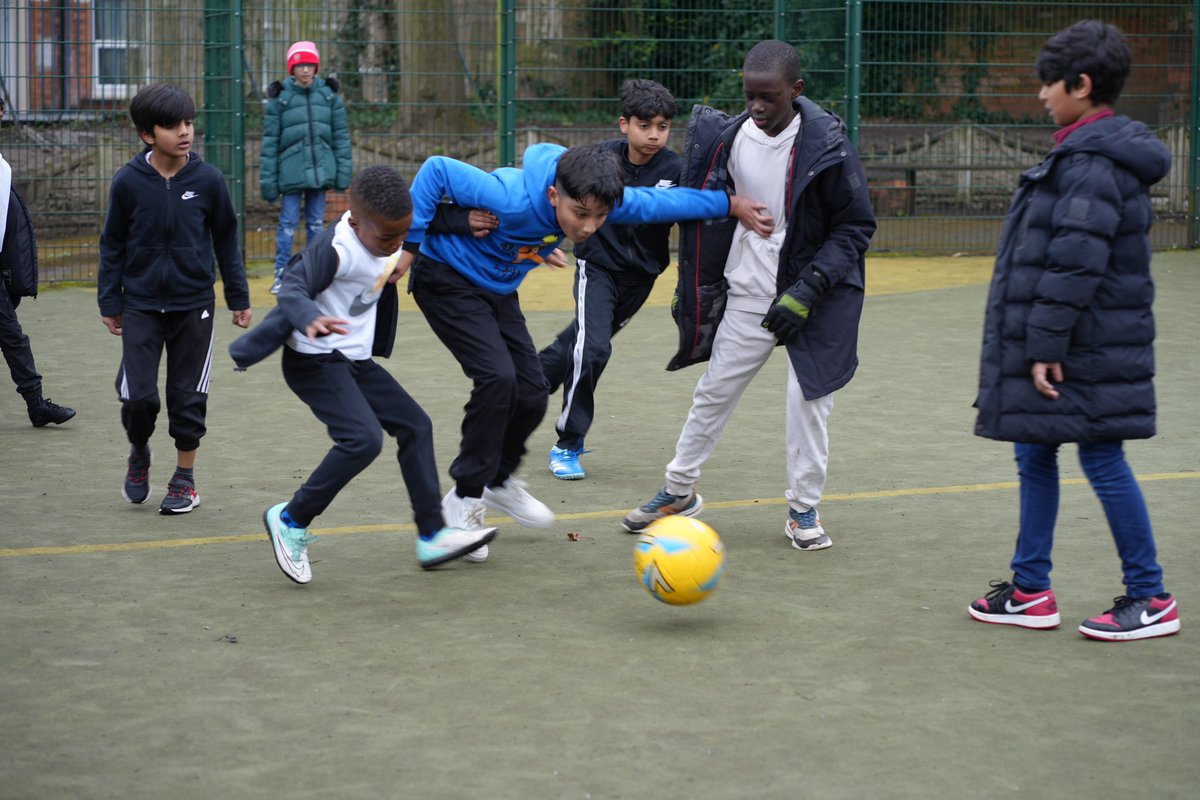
x=168 y=211
x=615 y=271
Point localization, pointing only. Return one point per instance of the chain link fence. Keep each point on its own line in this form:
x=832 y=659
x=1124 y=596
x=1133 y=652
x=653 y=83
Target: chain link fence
x=941 y=97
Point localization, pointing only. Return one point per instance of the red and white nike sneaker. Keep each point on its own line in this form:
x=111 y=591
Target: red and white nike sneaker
x=1008 y=605
x=1129 y=619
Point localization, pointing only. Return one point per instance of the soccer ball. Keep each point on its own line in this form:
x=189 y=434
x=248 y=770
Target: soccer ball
x=679 y=560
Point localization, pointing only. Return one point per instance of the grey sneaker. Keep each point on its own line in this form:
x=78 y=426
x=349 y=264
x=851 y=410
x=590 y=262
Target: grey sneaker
x=664 y=504
x=181 y=496
x=805 y=531
x=137 y=477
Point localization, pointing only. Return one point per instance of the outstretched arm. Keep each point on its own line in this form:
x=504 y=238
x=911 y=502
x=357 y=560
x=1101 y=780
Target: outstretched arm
x=752 y=214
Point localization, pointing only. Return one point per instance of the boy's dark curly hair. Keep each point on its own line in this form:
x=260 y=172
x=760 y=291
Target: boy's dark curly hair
x=646 y=100
x=591 y=171
x=1091 y=48
x=161 y=104
x=382 y=191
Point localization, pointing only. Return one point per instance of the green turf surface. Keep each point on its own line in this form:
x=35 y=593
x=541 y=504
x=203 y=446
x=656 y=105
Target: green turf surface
x=852 y=672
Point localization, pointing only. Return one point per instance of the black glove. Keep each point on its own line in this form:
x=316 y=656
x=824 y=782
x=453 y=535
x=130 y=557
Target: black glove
x=788 y=316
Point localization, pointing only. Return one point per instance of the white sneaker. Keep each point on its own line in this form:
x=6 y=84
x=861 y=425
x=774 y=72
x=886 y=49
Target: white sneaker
x=515 y=500
x=465 y=513
x=477 y=556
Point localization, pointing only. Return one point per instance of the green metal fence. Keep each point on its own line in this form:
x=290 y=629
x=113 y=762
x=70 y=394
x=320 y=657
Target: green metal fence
x=941 y=97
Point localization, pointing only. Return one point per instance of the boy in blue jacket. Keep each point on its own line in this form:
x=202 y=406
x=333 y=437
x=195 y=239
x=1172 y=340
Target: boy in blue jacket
x=168 y=211
x=742 y=293
x=1068 y=338
x=467 y=289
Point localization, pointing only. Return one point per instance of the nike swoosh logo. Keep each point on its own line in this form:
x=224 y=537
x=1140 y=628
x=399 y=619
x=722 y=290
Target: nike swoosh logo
x=1150 y=619
x=363 y=303
x=1011 y=609
x=188 y=195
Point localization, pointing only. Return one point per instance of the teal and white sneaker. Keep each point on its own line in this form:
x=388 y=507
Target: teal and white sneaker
x=290 y=545
x=451 y=543
x=564 y=463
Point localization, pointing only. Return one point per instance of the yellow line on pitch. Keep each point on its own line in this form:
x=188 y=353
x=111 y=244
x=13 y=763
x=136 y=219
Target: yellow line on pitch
x=161 y=544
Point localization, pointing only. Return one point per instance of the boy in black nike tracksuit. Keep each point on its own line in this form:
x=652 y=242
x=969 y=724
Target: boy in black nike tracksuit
x=168 y=212
x=616 y=269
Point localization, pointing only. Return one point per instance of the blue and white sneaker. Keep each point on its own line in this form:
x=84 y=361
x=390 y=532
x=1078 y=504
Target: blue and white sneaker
x=290 y=545
x=564 y=463
x=277 y=283
x=664 y=504
x=451 y=543
x=805 y=531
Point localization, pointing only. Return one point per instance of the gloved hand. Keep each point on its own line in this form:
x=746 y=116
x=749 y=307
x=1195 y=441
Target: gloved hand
x=788 y=316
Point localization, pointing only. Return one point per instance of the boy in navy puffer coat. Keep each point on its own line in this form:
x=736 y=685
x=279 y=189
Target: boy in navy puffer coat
x=1068 y=341
x=305 y=148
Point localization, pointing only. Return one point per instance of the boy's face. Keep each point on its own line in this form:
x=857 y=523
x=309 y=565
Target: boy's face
x=769 y=97
x=646 y=136
x=304 y=74
x=173 y=142
x=1066 y=107
x=382 y=237
x=579 y=219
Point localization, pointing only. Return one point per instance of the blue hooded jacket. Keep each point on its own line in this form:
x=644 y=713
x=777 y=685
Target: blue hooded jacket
x=528 y=230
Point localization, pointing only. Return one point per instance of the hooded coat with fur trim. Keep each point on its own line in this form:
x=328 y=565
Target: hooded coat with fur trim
x=306 y=140
x=1072 y=285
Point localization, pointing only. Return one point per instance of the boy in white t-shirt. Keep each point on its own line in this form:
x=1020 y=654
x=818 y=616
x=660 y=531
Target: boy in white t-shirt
x=331 y=299
x=740 y=294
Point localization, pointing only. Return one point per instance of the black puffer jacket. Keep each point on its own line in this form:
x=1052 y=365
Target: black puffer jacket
x=1072 y=285
x=829 y=227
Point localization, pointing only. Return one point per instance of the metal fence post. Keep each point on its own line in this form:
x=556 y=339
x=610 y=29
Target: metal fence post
x=224 y=99
x=1194 y=143
x=854 y=22
x=506 y=101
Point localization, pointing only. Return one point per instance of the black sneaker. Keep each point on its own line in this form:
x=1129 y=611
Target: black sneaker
x=44 y=412
x=181 y=496
x=137 y=477
x=1130 y=619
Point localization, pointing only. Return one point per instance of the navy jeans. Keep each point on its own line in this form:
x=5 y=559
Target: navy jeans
x=289 y=220
x=1113 y=482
